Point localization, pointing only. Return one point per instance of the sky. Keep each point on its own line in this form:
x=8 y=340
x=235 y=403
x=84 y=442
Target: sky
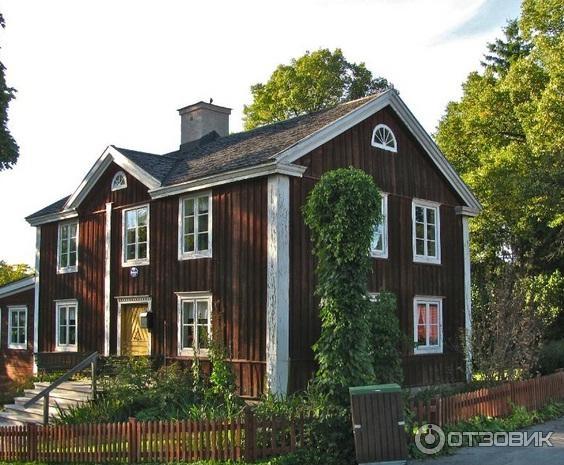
x=94 y=73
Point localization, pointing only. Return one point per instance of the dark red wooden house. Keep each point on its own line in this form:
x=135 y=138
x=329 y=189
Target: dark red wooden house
x=210 y=239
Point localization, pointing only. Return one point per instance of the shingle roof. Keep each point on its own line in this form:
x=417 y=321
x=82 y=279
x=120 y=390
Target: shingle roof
x=213 y=155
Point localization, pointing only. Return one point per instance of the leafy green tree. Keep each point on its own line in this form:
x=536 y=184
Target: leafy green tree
x=9 y=150
x=9 y=273
x=341 y=212
x=506 y=138
x=312 y=82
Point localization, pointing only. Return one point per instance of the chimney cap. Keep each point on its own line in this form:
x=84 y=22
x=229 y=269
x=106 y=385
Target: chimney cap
x=201 y=105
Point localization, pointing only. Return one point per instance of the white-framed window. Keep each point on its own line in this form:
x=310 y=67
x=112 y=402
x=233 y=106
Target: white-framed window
x=67 y=247
x=384 y=138
x=426 y=231
x=119 y=181
x=136 y=236
x=428 y=325
x=194 y=323
x=17 y=328
x=195 y=226
x=66 y=325
x=379 y=246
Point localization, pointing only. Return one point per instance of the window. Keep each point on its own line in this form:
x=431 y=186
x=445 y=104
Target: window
x=17 y=327
x=194 y=323
x=195 y=235
x=119 y=181
x=426 y=232
x=428 y=325
x=383 y=138
x=67 y=248
x=136 y=236
x=379 y=246
x=66 y=325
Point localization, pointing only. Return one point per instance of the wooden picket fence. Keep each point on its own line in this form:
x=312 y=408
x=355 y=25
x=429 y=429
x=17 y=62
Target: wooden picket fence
x=248 y=438
x=493 y=402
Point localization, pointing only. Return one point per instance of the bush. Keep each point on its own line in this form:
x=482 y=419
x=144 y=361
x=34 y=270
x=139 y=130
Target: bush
x=551 y=357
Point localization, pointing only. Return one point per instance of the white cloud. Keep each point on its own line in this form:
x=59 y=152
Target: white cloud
x=104 y=72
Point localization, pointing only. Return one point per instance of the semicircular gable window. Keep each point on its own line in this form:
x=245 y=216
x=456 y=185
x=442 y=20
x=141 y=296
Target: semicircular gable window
x=119 y=181
x=383 y=138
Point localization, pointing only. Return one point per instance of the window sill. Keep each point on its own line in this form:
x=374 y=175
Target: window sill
x=70 y=269
x=17 y=346
x=191 y=354
x=194 y=256
x=66 y=349
x=129 y=264
x=428 y=351
x=380 y=255
x=427 y=260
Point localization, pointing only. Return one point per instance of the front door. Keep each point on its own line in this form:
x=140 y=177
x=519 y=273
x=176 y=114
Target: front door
x=134 y=339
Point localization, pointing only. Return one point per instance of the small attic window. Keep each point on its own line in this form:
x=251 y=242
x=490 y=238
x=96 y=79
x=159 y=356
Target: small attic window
x=383 y=138
x=119 y=181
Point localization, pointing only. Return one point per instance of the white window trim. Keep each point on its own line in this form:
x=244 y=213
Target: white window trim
x=11 y=309
x=113 y=187
x=383 y=253
x=196 y=254
x=424 y=258
x=137 y=262
x=438 y=349
x=66 y=347
x=183 y=297
x=393 y=149
x=67 y=269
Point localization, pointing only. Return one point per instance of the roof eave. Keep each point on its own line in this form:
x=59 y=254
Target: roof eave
x=16 y=287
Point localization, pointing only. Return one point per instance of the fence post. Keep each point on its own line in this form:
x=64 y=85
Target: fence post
x=31 y=436
x=250 y=435
x=132 y=441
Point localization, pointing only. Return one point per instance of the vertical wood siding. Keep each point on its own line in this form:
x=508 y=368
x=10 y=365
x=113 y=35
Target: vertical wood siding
x=404 y=175
x=16 y=364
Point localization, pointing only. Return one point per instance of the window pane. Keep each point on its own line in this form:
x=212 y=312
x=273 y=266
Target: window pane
x=202 y=312
x=14 y=319
x=64 y=260
x=142 y=234
x=142 y=250
x=72 y=259
x=431 y=252
x=187 y=336
x=202 y=223
x=421 y=339
x=420 y=247
x=142 y=216
x=203 y=204
x=433 y=314
x=62 y=335
x=63 y=316
x=189 y=243
x=431 y=232
x=22 y=319
x=419 y=215
x=64 y=247
x=72 y=335
x=203 y=241
x=130 y=219
x=419 y=231
x=73 y=228
x=64 y=232
x=430 y=215
x=130 y=237
x=421 y=314
x=203 y=337
x=189 y=207
x=14 y=336
x=434 y=335
x=188 y=312
x=72 y=316
x=130 y=252
x=189 y=225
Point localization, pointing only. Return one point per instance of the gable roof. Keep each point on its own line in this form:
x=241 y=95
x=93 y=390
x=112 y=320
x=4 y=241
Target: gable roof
x=16 y=287
x=265 y=150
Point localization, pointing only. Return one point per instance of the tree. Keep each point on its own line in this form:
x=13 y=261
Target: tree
x=341 y=212
x=315 y=81
x=9 y=150
x=506 y=138
x=9 y=273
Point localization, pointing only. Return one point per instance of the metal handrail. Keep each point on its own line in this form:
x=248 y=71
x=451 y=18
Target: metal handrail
x=90 y=360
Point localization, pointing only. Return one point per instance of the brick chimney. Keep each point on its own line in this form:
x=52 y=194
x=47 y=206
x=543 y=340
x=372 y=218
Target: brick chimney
x=200 y=119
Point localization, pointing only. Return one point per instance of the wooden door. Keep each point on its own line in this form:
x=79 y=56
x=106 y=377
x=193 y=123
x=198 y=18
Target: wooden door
x=378 y=426
x=134 y=339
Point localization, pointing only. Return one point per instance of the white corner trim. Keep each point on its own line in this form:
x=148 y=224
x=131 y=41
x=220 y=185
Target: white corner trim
x=133 y=299
x=467 y=296
x=107 y=277
x=36 y=298
x=111 y=154
x=392 y=99
x=278 y=284
x=229 y=177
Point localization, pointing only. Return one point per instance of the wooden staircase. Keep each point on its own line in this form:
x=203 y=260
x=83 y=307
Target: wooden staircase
x=66 y=394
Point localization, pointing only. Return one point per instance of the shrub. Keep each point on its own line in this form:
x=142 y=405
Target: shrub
x=551 y=357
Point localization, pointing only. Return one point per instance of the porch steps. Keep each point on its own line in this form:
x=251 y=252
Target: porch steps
x=67 y=394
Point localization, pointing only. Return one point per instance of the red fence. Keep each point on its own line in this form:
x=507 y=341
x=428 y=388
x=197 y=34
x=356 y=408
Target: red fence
x=248 y=438
x=494 y=402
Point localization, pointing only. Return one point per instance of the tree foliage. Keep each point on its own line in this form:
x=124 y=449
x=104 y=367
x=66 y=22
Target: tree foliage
x=506 y=138
x=9 y=273
x=312 y=82
x=9 y=150
x=341 y=212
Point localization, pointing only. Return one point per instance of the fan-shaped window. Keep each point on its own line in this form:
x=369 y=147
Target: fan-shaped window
x=119 y=181
x=384 y=138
